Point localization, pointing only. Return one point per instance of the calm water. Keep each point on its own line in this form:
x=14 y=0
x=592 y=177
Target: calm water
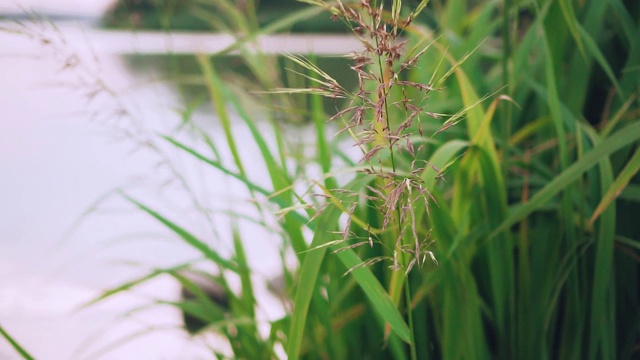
x=75 y=118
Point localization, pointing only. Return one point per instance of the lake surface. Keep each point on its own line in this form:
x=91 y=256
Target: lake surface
x=74 y=125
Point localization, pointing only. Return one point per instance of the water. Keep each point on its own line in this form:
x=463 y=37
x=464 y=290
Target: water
x=75 y=119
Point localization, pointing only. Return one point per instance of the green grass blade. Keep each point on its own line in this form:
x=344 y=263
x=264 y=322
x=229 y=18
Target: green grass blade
x=553 y=47
x=202 y=306
x=618 y=185
x=600 y=59
x=232 y=14
x=218 y=165
x=617 y=141
x=281 y=24
x=319 y=119
x=248 y=298
x=554 y=102
x=529 y=129
x=572 y=22
x=212 y=81
x=308 y=275
x=295 y=216
x=190 y=239
x=565 y=267
x=133 y=283
x=310 y=271
x=629 y=242
x=280 y=180
x=617 y=117
x=442 y=157
x=376 y=294
x=501 y=266
x=602 y=338
x=278 y=177
x=625 y=19
x=14 y=344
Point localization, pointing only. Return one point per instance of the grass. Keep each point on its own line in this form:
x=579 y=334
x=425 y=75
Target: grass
x=15 y=345
x=491 y=211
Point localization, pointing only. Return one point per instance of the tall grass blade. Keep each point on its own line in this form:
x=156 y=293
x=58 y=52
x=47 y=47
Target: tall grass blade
x=281 y=24
x=572 y=22
x=190 y=239
x=14 y=344
x=618 y=185
x=600 y=59
x=615 y=142
x=279 y=178
x=211 y=79
x=602 y=342
x=218 y=165
x=310 y=270
x=133 y=283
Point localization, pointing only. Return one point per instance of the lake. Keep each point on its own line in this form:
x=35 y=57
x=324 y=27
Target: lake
x=75 y=125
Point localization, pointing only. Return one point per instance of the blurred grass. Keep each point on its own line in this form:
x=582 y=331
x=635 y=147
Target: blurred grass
x=535 y=192
x=201 y=15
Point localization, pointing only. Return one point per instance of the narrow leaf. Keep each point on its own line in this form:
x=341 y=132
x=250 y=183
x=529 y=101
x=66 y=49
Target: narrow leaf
x=25 y=355
x=618 y=185
x=617 y=141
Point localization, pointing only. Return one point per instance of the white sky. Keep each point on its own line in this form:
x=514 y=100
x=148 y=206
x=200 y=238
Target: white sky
x=75 y=7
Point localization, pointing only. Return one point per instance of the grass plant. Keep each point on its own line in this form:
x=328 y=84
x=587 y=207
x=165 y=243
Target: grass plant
x=514 y=202
x=490 y=213
x=15 y=345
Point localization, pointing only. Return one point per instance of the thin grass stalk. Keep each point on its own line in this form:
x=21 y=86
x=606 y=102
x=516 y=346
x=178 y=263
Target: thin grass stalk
x=397 y=278
x=16 y=346
x=324 y=152
x=573 y=304
x=507 y=83
x=409 y=306
x=602 y=337
x=220 y=105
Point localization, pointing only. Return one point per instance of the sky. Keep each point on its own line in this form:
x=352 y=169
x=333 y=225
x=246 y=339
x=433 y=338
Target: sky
x=74 y=7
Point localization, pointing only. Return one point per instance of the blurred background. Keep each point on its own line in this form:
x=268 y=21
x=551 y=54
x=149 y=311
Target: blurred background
x=78 y=104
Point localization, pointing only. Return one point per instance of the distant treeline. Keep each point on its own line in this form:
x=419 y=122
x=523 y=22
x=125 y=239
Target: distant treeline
x=193 y=15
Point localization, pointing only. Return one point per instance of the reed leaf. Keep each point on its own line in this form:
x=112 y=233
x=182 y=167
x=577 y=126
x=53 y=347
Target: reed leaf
x=15 y=345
